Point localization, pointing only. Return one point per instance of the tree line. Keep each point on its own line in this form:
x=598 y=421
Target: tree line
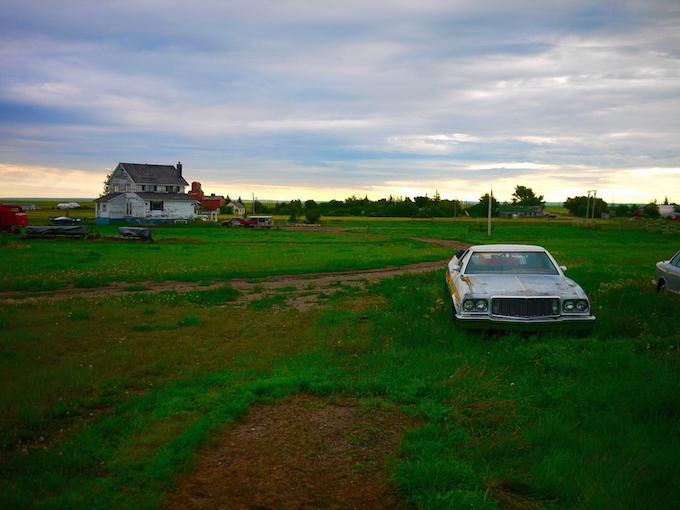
x=437 y=207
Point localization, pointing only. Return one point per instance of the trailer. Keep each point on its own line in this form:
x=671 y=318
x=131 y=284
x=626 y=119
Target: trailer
x=12 y=216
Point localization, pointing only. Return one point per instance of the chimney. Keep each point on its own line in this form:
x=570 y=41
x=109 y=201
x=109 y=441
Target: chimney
x=179 y=168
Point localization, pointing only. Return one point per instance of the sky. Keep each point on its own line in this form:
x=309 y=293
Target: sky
x=323 y=100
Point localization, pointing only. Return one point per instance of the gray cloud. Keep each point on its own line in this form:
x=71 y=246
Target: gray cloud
x=354 y=94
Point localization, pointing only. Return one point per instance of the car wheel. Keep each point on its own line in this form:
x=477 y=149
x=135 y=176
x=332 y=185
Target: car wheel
x=661 y=287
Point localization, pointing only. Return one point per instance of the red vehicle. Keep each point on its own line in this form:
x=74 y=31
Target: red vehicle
x=250 y=222
x=237 y=222
x=12 y=216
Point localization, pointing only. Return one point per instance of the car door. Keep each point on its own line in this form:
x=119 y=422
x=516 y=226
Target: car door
x=673 y=282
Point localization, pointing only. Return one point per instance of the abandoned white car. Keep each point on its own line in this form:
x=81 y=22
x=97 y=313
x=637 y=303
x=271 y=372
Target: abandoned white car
x=509 y=285
x=668 y=275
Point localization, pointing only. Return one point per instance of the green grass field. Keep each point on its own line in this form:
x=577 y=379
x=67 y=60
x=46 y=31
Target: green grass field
x=104 y=402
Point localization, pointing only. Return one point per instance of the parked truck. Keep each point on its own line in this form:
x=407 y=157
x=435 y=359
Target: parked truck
x=12 y=216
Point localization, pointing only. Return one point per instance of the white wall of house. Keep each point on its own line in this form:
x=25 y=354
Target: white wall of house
x=172 y=209
x=128 y=205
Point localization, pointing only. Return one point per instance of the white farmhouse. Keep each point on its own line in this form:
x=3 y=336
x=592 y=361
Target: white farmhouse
x=144 y=193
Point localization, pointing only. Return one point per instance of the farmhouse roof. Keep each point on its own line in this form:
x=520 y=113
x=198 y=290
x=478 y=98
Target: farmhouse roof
x=520 y=208
x=154 y=174
x=108 y=197
x=237 y=203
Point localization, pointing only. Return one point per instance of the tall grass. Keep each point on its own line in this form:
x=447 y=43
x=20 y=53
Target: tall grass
x=104 y=402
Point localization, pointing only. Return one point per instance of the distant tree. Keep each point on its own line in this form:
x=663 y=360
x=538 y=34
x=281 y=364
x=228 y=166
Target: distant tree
x=312 y=214
x=481 y=209
x=651 y=210
x=526 y=196
x=261 y=208
x=665 y=201
x=622 y=210
x=226 y=209
x=293 y=209
x=106 y=190
x=577 y=206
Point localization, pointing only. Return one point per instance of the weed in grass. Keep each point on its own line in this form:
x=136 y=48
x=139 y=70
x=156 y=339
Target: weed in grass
x=216 y=296
x=137 y=288
x=287 y=288
x=189 y=320
x=267 y=302
x=90 y=281
x=78 y=315
x=142 y=327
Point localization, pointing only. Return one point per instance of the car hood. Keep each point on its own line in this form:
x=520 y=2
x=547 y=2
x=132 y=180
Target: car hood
x=522 y=285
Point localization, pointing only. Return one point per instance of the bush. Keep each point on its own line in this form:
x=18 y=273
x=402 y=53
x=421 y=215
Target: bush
x=312 y=215
x=651 y=210
x=622 y=210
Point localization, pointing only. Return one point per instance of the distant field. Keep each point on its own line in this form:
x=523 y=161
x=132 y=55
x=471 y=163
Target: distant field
x=107 y=402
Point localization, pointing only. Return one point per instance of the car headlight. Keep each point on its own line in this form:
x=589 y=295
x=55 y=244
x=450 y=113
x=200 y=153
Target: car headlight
x=476 y=305
x=575 y=305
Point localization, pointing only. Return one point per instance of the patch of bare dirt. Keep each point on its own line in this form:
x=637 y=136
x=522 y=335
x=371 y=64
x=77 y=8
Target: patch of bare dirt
x=446 y=243
x=304 y=452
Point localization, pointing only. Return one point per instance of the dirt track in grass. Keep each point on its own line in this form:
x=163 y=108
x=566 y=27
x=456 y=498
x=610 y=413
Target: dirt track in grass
x=304 y=452
x=302 y=291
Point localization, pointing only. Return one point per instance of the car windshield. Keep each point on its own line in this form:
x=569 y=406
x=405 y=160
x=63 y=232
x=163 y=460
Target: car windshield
x=520 y=262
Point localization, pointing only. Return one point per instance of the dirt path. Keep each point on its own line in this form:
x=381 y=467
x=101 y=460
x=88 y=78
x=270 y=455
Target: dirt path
x=251 y=285
x=304 y=452
x=302 y=290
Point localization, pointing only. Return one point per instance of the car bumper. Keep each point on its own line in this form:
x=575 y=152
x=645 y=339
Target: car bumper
x=491 y=322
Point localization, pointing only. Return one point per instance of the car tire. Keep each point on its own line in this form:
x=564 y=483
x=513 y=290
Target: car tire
x=661 y=287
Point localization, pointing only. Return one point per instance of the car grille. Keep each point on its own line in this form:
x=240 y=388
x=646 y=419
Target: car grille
x=525 y=307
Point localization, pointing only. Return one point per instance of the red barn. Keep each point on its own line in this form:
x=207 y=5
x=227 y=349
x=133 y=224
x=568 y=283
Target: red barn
x=212 y=202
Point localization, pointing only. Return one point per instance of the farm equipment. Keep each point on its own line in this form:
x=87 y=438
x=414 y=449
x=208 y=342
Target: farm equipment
x=12 y=216
x=136 y=233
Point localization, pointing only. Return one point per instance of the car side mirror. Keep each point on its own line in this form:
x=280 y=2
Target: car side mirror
x=563 y=268
x=454 y=267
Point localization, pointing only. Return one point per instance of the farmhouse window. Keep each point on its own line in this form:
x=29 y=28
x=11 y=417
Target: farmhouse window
x=115 y=188
x=127 y=188
x=156 y=205
x=103 y=207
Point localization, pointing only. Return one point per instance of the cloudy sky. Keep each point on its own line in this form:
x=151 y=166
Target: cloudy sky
x=310 y=99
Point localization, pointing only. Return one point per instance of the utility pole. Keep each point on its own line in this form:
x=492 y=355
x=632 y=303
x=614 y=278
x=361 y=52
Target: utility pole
x=594 y=192
x=490 y=202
